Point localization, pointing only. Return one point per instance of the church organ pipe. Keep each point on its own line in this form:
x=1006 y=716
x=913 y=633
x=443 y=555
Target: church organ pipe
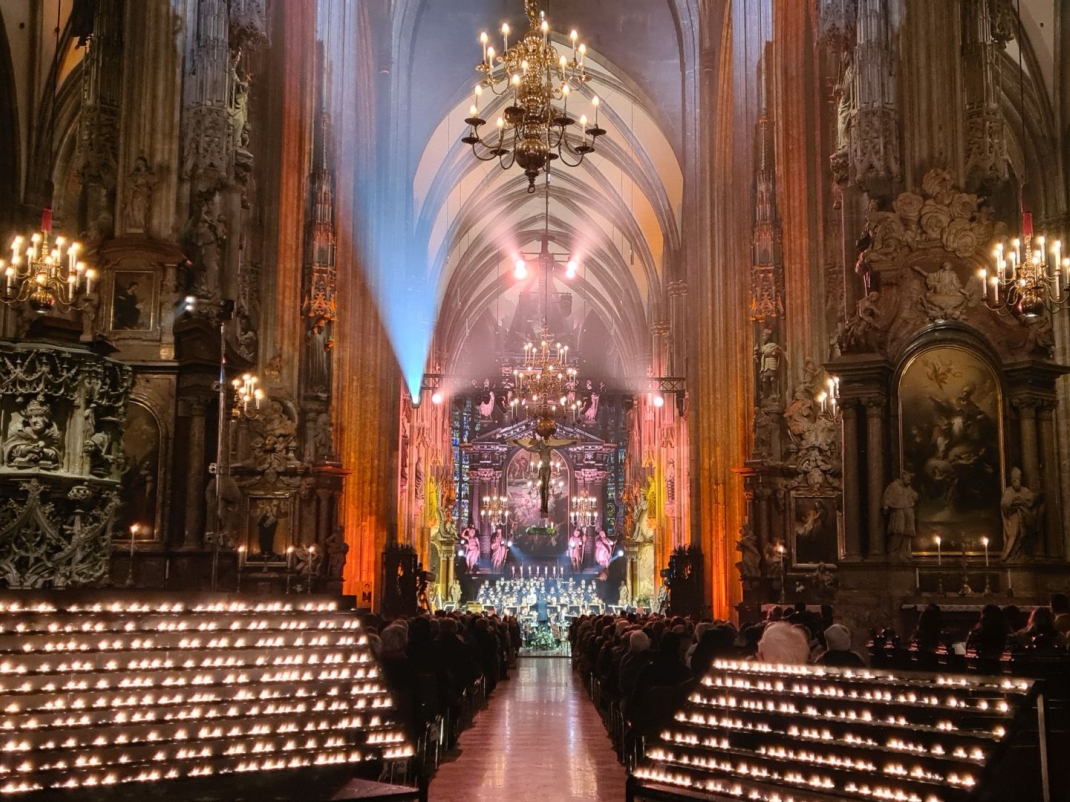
x=875 y=408
x=852 y=537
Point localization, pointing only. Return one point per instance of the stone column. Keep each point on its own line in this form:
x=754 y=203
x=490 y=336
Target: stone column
x=323 y=515
x=195 y=481
x=764 y=533
x=1027 y=423
x=1050 y=465
x=852 y=513
x=875 y=473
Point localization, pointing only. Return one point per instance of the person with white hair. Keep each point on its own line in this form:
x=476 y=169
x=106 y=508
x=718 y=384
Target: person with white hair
x=783 y=643
x=838 y=640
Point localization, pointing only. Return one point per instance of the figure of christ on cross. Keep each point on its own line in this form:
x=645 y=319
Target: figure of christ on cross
x=543 y=446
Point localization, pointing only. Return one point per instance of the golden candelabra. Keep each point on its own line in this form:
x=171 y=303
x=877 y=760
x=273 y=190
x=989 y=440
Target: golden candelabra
x=533 y=130
x=543 y=384
x=46 y=273
x=1027 y=280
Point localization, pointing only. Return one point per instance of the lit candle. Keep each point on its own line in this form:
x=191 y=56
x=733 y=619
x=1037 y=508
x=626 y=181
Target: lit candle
x=583 y=126
x=984 y=282
x=483 y=40
x=133 y=534
x=505 y=34
x=995 y=290
x=938 y=555
x=574 y=36
x=596 y=103
x=984 y=540
x=545 y=31
x=241 y=557
x=289 y=557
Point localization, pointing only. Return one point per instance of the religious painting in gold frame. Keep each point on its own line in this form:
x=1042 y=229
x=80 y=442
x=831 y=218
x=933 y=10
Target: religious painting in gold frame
x=951 y=440
x=268 y=529
x=816 y=534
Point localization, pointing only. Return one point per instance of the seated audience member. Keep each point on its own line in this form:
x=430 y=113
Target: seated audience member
x=783 y=643
x=1060 y=610
x=634 y=661
x=717 y=642
x=838 y=652
x=1040 y=632
x=988 y=638
x=928 y=637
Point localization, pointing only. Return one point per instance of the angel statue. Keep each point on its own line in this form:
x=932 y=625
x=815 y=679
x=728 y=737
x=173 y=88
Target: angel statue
x=543 y=446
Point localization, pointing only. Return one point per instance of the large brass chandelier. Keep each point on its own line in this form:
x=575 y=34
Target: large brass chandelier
x=495 y=510
x=584 y=509
x=1027 y=280
x=544 y=382
x=533 y=130
x=46 y=273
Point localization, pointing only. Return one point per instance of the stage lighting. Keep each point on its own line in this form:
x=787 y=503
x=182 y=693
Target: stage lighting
x=436 y=397
x=191 y=303
x=509 y=543
x=659 y=401
x=620 y=553
x=570 y=268
x=520 y=269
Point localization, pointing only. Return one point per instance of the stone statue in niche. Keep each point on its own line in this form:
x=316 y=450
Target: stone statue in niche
x=898 y=505
x=206 y=234
x=238 y=103
x=337 y=549
x=455 y=593
x=98 y=442
x=89 y=317
x=321 y=438
x=320 y=344
x=33 y=439
x=142 y=181
x=945 y=298
x=750 y=562
x=800 y=413
x=862 y=333
x=768 y=355
x=624 y=598
x=765 y=427
x=1040 y=336
x=1020 y=508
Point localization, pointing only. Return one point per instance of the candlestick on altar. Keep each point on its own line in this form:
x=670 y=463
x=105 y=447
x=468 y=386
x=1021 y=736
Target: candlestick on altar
x=130 y=570
x=311 y=555
x=984 y=540
x=939 y=560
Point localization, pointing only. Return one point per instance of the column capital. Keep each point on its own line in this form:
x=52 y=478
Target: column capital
x=874 y=404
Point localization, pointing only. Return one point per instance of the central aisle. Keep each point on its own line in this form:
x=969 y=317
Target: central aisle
x=540 y=738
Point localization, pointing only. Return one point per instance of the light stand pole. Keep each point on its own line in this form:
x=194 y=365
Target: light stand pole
x=219 y=468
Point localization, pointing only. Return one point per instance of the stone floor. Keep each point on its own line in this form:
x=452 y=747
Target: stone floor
x=539 y=739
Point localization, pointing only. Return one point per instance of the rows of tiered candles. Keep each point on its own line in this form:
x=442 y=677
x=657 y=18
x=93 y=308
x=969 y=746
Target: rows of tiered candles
x=103 y=694
x=772 y=733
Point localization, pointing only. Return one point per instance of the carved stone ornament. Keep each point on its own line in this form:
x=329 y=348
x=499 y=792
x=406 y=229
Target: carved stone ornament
x=274 y=441
x=941 y=216
x=54 y=535
x=62 y=412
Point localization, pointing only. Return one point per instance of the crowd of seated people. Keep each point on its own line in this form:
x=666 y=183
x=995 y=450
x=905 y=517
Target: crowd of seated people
x=565 y=593
x=1000 y=639
x=435 y=665
x=642 y=667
